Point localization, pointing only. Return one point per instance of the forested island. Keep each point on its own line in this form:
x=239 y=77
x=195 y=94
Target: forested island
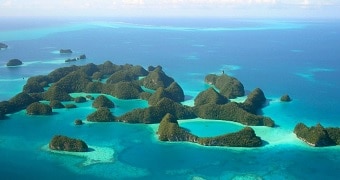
x=14 y=62
x=169 y=130
x=165 y=100
x=64 y=143
x=317 y=135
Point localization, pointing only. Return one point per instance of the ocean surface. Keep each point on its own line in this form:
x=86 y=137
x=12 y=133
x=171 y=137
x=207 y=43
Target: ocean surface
x=296 y=57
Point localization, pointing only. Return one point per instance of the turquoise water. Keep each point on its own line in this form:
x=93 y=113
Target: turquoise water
x=296 y=57
x=210 y=128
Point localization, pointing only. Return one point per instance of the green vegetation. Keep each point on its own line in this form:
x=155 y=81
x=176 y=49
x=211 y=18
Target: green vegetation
x=101 y=115
x=127 y=90
x=232 y=112
x=164 y=103
x=78 y=122
x=108 y=68
x=151 y=68
x=285 y=98
x=14 y=62
x=64 y=143
x=157 y=96
x=88 y=69
x=228 y=86
x=210 y=104
x=102 y=101
x=318 y=135
x=254 y=101
x=94 y=87
x=6 y=108
x=154 y=114
x=56 y=93
x=20 y=101
x=334 y=134
x=38 y=108
x=90 y=97
x=157 y=78
x=145 y=95
x=80 y=99
x=210 y=96
x=173 y=92
x=55 y=104
x=130 y=73
x=97 y=76
x=169 y=130
x=73 y=82
x=36 y=84
x=59 y=73
x=70 y=106
x=244 y=138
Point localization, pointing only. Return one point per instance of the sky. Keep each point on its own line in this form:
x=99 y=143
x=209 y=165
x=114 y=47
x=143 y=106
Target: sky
x=173 y=8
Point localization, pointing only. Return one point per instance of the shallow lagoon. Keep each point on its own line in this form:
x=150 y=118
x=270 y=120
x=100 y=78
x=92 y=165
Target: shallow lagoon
x=283 y=57
x=209 y=128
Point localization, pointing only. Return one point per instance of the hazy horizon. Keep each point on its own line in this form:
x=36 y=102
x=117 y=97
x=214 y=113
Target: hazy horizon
x=172 y=8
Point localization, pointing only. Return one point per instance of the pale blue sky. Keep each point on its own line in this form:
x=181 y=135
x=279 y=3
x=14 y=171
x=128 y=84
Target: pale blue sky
x=159 y=8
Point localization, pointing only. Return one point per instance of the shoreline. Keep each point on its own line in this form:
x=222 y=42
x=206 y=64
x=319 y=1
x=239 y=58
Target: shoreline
x=95 y=155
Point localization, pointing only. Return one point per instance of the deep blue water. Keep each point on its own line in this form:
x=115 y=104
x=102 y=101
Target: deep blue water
x=297 y=57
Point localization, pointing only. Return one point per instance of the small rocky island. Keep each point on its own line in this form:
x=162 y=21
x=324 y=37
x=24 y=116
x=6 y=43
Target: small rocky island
x=3 y=46
x=65 y=51
x=78 y=122
x=318 y=136
x=64 y=143
x=285 y=98
x=103 y=101
x=81 y=57
x=103 y=114
x=14 y=62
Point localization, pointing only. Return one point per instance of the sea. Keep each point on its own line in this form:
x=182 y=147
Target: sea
x=298 y=57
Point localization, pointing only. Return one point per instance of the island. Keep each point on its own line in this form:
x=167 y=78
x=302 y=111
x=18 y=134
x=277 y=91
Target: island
x=71 y=60
x=14 y=62
x=163 y=94
x=78 y=122
x=169 y=130
x=285 y=98
x=210 y=104
x=227 y=85
x=70 y=106
x=3 y=46
x=38 y=108
x=102 y=101
x=65 y=51
x=55 y=104
x=317 y=135
x=81 y=57
x=80 y=99
x=64 y=143
x=102 y=114
x=210 y=96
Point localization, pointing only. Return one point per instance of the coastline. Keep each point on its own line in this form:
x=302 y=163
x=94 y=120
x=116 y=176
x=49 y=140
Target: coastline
x=95 y=155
